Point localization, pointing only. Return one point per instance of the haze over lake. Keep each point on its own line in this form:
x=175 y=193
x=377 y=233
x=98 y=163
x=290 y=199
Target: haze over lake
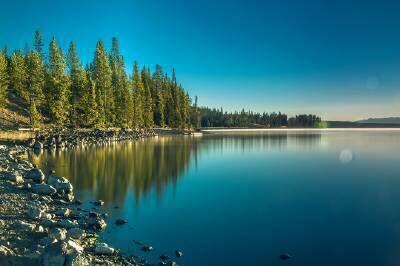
x=325 y=197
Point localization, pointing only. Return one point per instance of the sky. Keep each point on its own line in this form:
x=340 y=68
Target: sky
x=338 y=59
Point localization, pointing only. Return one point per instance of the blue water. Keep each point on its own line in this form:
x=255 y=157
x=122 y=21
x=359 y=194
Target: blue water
x=326 y=198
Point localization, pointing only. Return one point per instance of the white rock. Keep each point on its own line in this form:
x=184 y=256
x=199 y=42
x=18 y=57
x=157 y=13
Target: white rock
x=103 y=249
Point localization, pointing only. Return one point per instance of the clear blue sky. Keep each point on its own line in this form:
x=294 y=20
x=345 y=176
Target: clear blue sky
x=339 y=59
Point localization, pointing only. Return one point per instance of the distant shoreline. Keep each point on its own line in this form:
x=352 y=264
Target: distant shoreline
x=216 y=130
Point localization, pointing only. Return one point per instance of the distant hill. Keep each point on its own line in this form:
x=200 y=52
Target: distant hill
x=384 y=120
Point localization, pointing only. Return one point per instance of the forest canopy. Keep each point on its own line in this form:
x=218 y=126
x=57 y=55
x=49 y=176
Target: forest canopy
x=55 y=88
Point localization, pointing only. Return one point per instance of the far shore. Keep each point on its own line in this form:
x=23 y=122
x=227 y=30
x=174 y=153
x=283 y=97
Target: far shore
x=222 y=130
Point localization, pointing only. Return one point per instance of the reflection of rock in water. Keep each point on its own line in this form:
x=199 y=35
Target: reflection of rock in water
x=109 y=172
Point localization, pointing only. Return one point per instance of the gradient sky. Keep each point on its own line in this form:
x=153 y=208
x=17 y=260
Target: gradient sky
x=338 y=59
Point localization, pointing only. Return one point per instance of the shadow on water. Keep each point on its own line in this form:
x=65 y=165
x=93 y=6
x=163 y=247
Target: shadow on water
x=109 y=172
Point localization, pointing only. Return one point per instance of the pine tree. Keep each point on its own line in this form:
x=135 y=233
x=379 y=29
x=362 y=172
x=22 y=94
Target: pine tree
x=138 y=95
x=148 y=108
x=3 y=78
x=18 y=75
x=102 y=79
x=120 y=84
x=35 y=86
x=78 y=87
x=57 y=88
x=158 y=97
x=177 y=116
x=89 y=104
x=38 y=43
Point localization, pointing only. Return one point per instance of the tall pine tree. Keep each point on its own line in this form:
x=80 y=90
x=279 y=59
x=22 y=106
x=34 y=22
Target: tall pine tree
x=35 y=87
x=138 y=95
x=57 y=87
x=104 y=91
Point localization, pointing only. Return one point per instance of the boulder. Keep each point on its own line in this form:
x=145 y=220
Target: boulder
x=34 y=212
x=103 y=249
x=64 y=212
x=61 y=184
x=120 y=222
x=95 y=223
x=43 y=189
x=25 y=226
x=14 y=177
x=179 y=253
x=60 y=253
x=58 y=233
x=76 y=233
x=35 y=174
x=67 y=223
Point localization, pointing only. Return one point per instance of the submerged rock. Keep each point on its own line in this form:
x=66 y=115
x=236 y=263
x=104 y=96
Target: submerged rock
x=147 y=248
x=120 y=222
x=35 y=174
x=43 y=189
x=179 y=253
x=285 y=256
x=103 y=249
x=98 y=203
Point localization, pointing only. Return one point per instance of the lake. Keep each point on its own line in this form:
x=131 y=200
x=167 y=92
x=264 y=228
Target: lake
x=324 y=197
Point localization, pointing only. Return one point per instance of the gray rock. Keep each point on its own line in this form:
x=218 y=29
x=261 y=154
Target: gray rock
x=61 y=184
x=64 y=212
x=36 y=175
x=96 y=223
x=34 y=212
x=58 y=233
x=5 y=251
x=45 y=241
x=43 y=189
x=25 y=226
x=67 y=223
x=14 y=177
x=103 y=249
x=76 y=233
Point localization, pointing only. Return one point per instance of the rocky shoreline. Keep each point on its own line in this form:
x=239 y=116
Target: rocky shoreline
x=41 y=222
x=69 y=138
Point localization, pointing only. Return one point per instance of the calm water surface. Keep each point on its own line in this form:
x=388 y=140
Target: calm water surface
x=327 y=198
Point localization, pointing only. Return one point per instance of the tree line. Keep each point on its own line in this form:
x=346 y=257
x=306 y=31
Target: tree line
x=219 y=118
x=57 y=89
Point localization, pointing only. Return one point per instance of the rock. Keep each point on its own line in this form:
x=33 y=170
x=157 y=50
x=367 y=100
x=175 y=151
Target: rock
x=61 y=184
x=178 y=253
x=98 y=202
x=64 y=212
x=14 y=177
x=58 y=233
x=103 y=249
x=75 y=246
x=43 y=189
x=76 y=233
x=120 y=222
x=34 y=212
x=147 y=248
x=67 y=223
x=95 y=223
x=172 y=263
x=61 y=253
x=25 y=226
x=35 y=174
x=45 y=241
x=285 y=256
x=5 y=251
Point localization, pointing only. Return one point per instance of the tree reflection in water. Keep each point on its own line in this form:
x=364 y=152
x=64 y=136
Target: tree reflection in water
x=109 y=172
